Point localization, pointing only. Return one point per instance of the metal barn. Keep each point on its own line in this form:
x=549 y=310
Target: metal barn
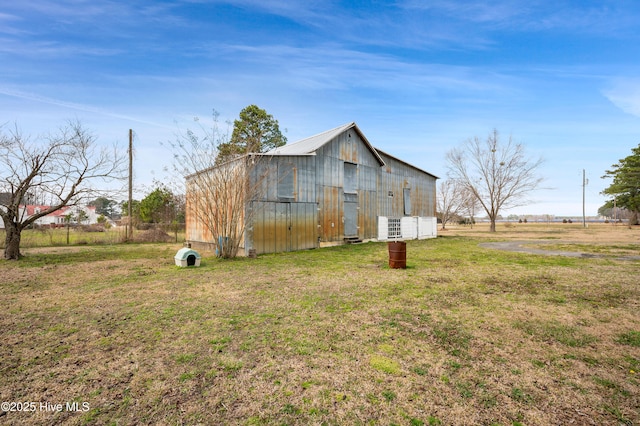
x=332 y=188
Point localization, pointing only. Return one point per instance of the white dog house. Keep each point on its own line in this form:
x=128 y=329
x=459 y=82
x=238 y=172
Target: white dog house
x=187 y=257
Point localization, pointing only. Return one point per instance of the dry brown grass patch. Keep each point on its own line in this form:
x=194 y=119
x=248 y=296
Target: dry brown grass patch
x=465 y=335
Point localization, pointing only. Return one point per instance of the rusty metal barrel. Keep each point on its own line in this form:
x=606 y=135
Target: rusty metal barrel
x=397 y=254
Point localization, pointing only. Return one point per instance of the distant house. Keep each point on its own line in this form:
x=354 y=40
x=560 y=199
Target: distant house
x=58 y=217
x=5 y=197
x=332 y=188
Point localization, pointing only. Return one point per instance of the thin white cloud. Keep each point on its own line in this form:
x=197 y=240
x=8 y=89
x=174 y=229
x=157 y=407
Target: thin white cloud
x=309 y=11
x=7 y=17
x=37 y=49
x=65 y=10
x=114 y=19
x=608 y=19
x=385 y=24
x=495 y=12
x=331 y=67
x=9 y=25
x=74 y=106
x=624 y=93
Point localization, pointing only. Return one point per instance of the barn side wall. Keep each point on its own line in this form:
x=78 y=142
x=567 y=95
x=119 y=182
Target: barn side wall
x=305 y=201
x=348 y=148
x=216 y=198
x=398 y=181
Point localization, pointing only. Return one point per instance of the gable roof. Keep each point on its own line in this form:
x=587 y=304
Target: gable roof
x=406 y=164
x=310 y=145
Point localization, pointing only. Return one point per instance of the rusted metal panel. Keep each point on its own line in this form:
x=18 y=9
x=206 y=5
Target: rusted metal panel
x=304 y=225
x=331 y=219
x=348 y=144
x=262 y=235
x=282 y=236
x=269 y=223
x=367 y=215
x=283 y=226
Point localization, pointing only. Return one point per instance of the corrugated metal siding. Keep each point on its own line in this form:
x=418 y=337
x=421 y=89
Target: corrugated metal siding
x=281 y=226
x=330 y=158
x=194 y=227
x=350 y=222
x=313 y=207
x=367 y=214
x=280 y=222
x=330 y=214
x=394 y=178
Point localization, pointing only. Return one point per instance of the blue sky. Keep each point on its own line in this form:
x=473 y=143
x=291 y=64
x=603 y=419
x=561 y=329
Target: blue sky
x=419 y=77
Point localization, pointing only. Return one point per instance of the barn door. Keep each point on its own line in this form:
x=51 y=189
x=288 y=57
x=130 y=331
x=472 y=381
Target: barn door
x=350 y=200
x=350 y=219
x=278 y=227
x=283 y=227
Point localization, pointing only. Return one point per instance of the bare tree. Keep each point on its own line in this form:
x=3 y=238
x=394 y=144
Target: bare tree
x=217 y=195
x=469 y=204
x=58 y=169
x=449 y=200
x=499 y=175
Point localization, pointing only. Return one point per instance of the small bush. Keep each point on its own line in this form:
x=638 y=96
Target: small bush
x=92 y=228
x=152 y=236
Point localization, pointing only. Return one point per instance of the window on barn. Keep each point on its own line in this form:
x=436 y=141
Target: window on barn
x=350 y=178
x=394 y=228
x=285 y=180
x=407 y=201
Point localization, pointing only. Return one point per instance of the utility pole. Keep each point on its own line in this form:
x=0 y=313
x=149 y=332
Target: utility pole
x=130 y=222
x=584 y=186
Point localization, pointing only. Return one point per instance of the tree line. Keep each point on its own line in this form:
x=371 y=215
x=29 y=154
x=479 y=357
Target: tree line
x=493 y=175
x=159 y=206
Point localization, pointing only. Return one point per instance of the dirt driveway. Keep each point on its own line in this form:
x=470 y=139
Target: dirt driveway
x=524 y=247
x=533 y=237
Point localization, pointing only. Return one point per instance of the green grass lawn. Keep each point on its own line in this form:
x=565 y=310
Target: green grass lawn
x=57 y=237
x=464 y=335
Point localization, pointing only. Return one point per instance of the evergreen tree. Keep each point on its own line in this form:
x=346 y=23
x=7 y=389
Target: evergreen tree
x=105 y=206
x=158 y=206
x=255 y=131
x=625 y=187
